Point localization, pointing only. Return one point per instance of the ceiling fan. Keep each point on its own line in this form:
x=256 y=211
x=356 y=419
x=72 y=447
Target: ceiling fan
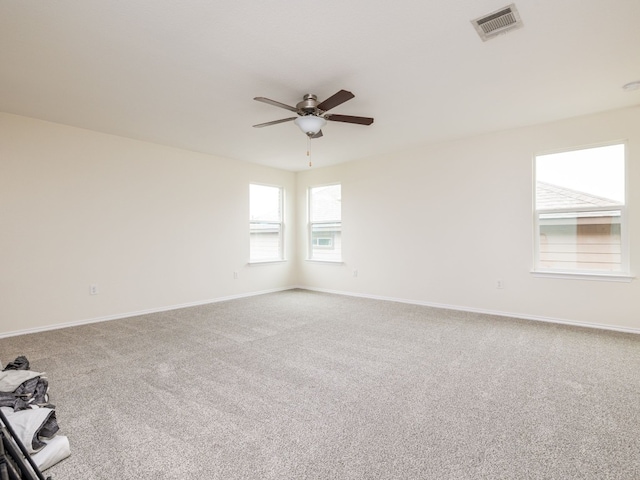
x=312 y=115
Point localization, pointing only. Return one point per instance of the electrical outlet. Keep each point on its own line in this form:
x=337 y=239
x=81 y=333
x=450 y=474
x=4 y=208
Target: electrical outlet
x=235 y=275
x=355 y=273
x=93 y=289
x=499 y=284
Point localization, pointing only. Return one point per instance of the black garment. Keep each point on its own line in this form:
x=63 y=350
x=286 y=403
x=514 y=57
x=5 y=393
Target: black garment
x=31 y=392
x=20 y=363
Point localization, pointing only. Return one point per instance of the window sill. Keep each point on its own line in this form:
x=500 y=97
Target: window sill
x=325 y=262
x=599 y=277
x=265 y=262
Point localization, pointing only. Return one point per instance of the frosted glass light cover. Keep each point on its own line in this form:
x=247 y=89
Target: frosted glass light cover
x=310 y=123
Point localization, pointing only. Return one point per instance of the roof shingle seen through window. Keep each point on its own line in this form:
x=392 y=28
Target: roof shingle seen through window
x=550 y=196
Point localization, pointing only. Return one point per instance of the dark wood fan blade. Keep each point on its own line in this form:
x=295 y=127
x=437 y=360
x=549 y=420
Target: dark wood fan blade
x=275 y=122
x=276 y=104
x=350 y=119
x=335 y=100
x=317 y=135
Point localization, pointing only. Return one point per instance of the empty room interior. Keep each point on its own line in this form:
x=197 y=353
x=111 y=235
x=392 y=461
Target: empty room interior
x=323 y=240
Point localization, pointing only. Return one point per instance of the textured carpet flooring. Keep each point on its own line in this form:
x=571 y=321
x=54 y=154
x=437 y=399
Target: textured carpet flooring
x=306 y=385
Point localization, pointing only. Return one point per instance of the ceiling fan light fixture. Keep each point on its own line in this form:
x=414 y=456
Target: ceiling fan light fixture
x=310 y=124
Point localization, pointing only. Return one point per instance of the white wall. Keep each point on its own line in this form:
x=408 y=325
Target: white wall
x=440 y=224
x=157 y=227
x=152 y=226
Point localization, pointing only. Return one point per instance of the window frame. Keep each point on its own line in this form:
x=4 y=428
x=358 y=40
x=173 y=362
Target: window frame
x=280 y=225
x=311 y=224
x=622 y=275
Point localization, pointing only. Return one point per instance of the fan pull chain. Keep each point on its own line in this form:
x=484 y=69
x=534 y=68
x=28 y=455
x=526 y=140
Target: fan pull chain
x=309 y=149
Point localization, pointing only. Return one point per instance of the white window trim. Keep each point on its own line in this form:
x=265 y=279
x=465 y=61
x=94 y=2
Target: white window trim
x=625 y=274
x=265 y=262
x=604 y=277
x=325 y=262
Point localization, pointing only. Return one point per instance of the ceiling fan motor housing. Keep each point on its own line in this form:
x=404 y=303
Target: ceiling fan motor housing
x=309 y=104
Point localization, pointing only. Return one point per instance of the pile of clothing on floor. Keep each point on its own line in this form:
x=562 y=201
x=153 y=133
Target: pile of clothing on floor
x=24 y=399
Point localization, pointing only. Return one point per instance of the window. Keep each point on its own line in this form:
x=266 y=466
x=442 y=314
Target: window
x=325 y=223
x=580 y=211
x=326 y=242
x=265 y=223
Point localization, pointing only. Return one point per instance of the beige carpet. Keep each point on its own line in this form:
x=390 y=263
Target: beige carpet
x=306 y=385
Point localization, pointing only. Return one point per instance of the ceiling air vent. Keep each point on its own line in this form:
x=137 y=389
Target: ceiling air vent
x=498 y=22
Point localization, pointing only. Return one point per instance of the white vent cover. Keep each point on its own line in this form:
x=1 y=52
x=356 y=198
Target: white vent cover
x=498 y=22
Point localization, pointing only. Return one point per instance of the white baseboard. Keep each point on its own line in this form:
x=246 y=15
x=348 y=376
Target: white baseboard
x=139 y=312
x=323 y=290
x=480 y=310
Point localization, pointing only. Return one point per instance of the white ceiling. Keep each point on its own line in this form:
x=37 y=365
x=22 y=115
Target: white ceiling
x=184 y=73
